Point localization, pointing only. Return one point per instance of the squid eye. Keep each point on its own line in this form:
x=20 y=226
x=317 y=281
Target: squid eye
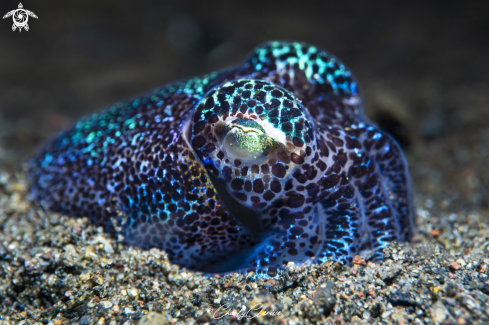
x=248 y=140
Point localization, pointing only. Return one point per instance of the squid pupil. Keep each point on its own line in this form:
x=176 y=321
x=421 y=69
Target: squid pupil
x=246 y=139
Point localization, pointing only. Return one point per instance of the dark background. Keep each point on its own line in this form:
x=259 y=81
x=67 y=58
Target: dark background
x=423 y=68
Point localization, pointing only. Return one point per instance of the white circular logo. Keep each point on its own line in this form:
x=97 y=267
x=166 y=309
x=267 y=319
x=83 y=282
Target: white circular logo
x=20 y=17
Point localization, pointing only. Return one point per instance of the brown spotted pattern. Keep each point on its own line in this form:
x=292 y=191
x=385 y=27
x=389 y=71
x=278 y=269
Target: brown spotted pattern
x=245 y=169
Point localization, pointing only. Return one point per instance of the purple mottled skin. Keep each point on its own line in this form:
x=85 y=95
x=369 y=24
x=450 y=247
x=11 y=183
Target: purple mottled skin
x=248 y=168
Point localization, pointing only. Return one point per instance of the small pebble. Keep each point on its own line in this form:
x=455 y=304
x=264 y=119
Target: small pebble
x=454 y=266
x=359 y=261
x=435 y=233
